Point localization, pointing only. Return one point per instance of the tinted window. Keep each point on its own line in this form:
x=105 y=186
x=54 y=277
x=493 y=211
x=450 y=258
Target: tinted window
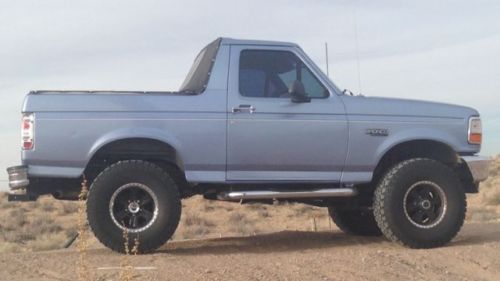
x=270 y=73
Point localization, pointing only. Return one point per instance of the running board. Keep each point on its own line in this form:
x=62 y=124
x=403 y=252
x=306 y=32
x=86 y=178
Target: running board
x=268 y=194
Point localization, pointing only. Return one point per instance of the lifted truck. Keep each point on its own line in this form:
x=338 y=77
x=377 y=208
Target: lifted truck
x=253 y=121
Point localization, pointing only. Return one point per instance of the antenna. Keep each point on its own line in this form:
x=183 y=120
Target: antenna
x=327 y=62
x=357 y=47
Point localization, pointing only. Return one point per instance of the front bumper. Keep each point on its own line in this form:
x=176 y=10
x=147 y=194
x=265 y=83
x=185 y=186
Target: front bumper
x=479 y=166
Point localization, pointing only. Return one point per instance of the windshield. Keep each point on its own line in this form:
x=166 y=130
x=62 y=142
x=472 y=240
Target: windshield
x=197 y=78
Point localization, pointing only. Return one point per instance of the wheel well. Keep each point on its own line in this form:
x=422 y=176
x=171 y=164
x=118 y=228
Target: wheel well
x=413 y=149
x=134 y=149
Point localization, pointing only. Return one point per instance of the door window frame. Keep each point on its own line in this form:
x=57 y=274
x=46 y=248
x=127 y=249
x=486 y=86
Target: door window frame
x=298 y=56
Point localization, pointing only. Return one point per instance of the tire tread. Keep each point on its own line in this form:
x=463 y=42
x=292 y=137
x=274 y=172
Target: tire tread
x=383 y=194
x=114 y=171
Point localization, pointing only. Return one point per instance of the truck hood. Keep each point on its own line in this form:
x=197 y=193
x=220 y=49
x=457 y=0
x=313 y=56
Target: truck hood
x=360 y=105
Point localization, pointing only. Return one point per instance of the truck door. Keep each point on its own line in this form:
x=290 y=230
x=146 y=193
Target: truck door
x=271 y=138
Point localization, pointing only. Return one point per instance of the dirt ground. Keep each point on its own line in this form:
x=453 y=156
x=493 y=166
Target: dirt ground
x=287 y=255
x=230 y=241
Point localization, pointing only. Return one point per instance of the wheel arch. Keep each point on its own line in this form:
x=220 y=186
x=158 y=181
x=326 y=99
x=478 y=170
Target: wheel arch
x=413 y=148
x=134 y=144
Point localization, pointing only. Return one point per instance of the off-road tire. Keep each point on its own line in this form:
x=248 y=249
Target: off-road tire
x=359 y=222
x=120 y=174
x=390 y=211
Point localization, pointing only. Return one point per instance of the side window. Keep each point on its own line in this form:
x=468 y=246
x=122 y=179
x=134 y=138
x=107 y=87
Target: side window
x=252 y=82
x=268 y=74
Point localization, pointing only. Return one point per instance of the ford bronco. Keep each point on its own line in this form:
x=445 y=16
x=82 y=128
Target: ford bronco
x=254 y=121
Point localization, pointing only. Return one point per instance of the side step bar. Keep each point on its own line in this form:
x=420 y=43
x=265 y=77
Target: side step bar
x=268 y=194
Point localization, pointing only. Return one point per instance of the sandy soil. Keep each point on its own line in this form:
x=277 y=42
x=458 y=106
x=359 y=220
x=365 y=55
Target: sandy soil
x=229 y=241
x=288 y=255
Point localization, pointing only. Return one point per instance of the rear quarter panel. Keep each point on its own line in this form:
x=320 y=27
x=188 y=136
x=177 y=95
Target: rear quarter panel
x=66 y=140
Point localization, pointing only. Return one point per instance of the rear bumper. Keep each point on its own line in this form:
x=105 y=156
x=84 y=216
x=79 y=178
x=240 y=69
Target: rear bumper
x=18 y=183
x=18 y=177
x=479 y=166
x=24 y=186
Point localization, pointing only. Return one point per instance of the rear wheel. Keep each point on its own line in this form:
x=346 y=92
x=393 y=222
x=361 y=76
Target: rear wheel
x=137 y=198
x=420 y=203
x=357 y=221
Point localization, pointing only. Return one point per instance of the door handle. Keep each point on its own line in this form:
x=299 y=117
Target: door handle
x=244 y=108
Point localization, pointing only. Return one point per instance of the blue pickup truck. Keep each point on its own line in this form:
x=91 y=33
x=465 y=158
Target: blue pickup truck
x=254 y=121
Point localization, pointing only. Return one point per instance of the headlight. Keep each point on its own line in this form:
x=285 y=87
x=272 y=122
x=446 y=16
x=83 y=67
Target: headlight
x=475 y=130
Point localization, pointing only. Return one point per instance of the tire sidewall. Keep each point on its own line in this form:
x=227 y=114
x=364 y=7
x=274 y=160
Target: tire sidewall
x=117 y=175
x=439 y=174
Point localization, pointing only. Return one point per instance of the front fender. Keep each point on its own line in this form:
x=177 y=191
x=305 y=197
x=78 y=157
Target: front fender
x=414 y=134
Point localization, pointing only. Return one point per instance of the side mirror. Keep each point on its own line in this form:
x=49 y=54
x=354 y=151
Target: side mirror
x=298 y=93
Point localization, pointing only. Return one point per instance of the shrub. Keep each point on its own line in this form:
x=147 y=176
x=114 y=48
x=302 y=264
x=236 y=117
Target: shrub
x=192 y=219
x=48 y=206
x=208 y=207
x=255 y=206
x=195 y=231
x=492 y=198
x=240 y=224
x=43 y=225
x=70 y=232
x=263 y=213
x=47 y=242
x=481 y=214
x=300 y=209
x=68 y=208
x=196 y=226
x=15 y=220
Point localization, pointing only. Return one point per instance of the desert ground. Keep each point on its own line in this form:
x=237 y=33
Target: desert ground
x=229 y=241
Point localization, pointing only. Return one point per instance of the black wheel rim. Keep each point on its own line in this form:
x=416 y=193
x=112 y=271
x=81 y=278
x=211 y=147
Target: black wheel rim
x=133 y=207
x=425 y=204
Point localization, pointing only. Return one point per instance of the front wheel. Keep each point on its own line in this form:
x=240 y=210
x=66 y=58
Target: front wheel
x=420 y=203
x=136 y=198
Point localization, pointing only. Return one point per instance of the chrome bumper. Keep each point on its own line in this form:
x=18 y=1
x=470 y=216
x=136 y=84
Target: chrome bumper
x=479 y=166
x=18 y=179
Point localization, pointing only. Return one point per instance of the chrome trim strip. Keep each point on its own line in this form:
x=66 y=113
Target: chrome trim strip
x=268 y=194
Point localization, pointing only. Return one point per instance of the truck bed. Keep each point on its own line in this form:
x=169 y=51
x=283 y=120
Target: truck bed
x=105 y=92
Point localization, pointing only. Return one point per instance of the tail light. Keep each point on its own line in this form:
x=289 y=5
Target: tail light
x=28 y=131
x=475 y=130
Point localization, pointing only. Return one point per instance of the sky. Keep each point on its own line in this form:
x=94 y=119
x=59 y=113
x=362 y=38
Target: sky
x=447 y=51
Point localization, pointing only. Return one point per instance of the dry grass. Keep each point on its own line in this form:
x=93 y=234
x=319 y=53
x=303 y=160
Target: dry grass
x=240 y=224
x=68 y=208
x=481 y=214
x=195 y=225
x=490 y=189
x=301 y=210
x=263 y=213
x=126 y=271
x=33 y=226
x=492 y=197
x=47 y=223
x=82 y=266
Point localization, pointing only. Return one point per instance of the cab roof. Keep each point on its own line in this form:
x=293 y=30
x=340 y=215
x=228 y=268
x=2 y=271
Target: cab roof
x=232 y=41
